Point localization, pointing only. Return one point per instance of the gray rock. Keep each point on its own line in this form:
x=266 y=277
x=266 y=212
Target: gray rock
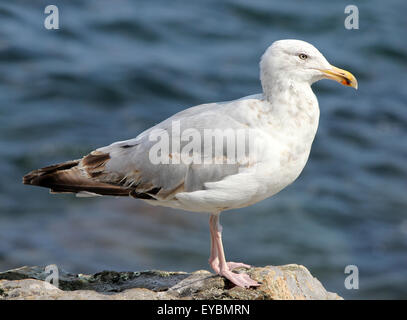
x=278 y=282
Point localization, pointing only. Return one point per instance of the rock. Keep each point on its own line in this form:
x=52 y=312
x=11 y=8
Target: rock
x=278 y=282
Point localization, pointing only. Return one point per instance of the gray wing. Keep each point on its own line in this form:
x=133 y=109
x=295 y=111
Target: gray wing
x=130 y=163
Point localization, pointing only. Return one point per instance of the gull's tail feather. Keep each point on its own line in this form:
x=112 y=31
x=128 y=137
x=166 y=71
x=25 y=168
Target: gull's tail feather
x=67 y=177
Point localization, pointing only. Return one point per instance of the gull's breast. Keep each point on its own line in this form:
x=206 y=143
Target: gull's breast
x=291 y=132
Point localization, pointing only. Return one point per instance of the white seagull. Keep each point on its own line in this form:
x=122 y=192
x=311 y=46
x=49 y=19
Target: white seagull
x=284 y=120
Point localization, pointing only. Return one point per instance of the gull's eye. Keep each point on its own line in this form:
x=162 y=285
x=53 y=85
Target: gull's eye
x=302 y=56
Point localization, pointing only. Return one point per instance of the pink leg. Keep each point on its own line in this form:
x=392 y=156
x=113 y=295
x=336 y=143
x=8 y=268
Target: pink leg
x=213 y=258
x=217 y=255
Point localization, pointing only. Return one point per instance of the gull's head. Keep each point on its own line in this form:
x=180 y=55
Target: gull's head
x=299 y=61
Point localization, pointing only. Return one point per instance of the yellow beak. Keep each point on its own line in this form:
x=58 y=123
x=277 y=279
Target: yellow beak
x=342 y=76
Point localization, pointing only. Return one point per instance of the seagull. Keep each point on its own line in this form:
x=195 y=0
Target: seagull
x=173 y=165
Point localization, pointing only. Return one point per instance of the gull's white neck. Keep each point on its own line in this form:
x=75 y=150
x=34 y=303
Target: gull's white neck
x=293 y=105
x=286 y=90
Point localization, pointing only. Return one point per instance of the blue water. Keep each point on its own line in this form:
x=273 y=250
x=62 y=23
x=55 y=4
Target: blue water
x=114 y=68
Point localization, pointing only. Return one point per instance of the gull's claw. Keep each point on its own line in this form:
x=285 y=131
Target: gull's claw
x=240 y=279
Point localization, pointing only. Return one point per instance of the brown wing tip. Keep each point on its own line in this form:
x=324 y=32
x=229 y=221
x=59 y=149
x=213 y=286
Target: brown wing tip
x=28 y=178
x=32 y=177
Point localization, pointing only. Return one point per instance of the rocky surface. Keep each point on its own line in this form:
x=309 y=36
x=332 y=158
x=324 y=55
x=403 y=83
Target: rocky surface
x=278 y=282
